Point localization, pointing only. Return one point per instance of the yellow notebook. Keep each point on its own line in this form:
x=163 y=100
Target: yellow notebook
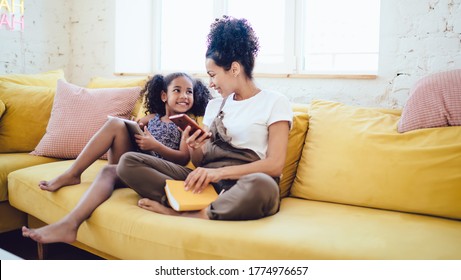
x=182 y=200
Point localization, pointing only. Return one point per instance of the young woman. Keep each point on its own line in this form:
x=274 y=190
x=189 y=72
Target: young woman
x=253 y=119
x=173 y=94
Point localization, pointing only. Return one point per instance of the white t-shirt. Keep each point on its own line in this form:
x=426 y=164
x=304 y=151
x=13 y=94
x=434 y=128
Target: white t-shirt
x=247 y=121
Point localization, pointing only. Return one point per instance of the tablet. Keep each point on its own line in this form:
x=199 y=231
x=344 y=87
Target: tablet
x=132 y=126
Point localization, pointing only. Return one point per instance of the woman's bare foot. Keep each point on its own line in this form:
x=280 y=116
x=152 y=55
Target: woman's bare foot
x=61 y=231
x=156 y=207
x=62 y=180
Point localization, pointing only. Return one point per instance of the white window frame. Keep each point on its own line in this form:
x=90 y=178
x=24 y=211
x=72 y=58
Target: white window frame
x=290 y=67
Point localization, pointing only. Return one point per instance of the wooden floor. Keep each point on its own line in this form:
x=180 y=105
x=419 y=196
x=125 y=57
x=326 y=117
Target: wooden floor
x=26 y=248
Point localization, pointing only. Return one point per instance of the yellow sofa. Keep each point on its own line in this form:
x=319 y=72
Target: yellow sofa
x=352 y=188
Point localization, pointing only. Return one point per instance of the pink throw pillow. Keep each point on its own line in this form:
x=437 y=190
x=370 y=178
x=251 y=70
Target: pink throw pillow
x=435 y=101
x=78 y=113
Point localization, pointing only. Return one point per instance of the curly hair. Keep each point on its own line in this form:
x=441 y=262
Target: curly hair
x=153 y=94
x=201 y=97
x=230 y=40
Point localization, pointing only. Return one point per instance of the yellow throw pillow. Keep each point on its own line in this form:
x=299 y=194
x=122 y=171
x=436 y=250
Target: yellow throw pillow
x=295 y=147
x=2 y=108
x=99 y=82
x=46 y=79
x=78 y=113
x=27 y=112
x=356 y=156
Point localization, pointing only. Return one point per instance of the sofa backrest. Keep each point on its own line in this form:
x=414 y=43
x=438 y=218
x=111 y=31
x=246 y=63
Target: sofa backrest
x=296 y=140
x=100 y=82
x=355 y=156
x=27 y=99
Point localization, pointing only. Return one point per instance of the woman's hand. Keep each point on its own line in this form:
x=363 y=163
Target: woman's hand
x=199 y=178
x=195 y=141
x=195 y=144
x=146 y=142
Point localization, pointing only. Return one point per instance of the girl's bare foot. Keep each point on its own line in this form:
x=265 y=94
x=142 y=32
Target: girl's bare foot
x=61 y=231
x=62 y=180
x=156 y=207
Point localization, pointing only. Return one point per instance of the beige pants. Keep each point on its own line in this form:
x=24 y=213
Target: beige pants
x=253 y=196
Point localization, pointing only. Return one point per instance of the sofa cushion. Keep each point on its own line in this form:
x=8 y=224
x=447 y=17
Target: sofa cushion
x=27 y=112
x=356 y=156
x=2 y=109
x=301 y=230
x=10 y=162
x=78 y=113
x=46 y=79
x=435 y=101
x=100 y=82
x=295 y=146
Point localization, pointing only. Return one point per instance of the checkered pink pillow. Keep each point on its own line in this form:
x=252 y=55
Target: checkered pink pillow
x=434 y=101
x=78 y=113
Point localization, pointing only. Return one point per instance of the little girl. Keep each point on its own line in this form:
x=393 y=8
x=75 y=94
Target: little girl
x=165 y=96
x=173 y=94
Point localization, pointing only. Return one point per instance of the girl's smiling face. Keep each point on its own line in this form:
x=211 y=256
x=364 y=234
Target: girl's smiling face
x=179 y=97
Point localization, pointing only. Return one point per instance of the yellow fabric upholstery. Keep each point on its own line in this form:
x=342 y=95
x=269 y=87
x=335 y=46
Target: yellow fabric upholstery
x=24 y=121
x=14 y=161
x=295 y=147
x=12 y=218
x=45 y=79
x=299 y=107
x=301 y=230
x=14 y=125
x=2 y=109
x=337 y=156
x=356 y=156
x=100 y=82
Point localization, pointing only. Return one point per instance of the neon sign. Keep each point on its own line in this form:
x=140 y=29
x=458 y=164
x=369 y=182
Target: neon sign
x=9 y=17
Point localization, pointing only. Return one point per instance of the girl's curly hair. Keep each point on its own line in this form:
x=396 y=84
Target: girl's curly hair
x=230 y=40
x=153 y=94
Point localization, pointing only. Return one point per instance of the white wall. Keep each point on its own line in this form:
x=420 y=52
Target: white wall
x=418 y=37
x=44 y=44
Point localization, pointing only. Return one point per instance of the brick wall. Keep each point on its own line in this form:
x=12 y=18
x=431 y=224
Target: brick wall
x=418 y=37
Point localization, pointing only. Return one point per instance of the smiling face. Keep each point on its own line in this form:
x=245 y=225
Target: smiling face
x=220 y=80
x=179 y=97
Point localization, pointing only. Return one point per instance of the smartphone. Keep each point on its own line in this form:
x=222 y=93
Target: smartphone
x=183 y=120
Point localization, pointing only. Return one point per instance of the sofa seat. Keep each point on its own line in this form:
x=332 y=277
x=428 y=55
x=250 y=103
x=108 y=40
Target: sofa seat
x=11 y=217
x=303 y=229
x=14 y=161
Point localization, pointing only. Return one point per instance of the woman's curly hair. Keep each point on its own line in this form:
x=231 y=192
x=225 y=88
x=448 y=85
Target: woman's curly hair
x=230 y=40
x=153 y=94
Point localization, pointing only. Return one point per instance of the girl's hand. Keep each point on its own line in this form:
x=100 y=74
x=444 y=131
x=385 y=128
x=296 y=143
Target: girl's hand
x=146 y=142
x=198 y=179
x=140 y=123
x=142 y=126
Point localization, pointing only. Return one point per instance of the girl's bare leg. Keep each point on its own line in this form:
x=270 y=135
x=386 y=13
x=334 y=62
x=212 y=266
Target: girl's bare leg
x=156 y=207
x=66 y=229
x=112 y=137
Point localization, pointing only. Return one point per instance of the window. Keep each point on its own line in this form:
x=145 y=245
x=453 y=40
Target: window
x=296 y=36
